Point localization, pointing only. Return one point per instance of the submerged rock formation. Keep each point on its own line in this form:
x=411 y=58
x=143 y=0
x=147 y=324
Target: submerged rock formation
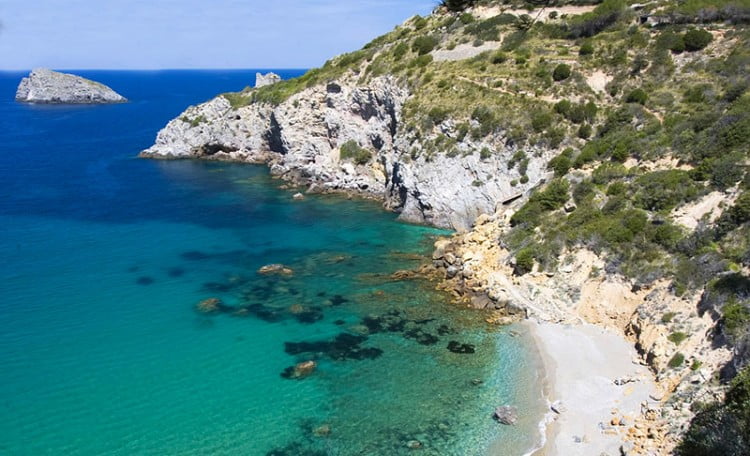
x=47 y=86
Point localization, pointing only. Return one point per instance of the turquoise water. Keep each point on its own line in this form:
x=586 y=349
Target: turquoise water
x=105 y=257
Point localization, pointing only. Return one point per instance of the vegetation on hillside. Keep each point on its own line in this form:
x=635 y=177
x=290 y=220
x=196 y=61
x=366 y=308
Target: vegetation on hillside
x=647 y=108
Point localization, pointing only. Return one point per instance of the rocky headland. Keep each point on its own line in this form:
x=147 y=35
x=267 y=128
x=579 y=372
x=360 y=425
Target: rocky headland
x=51 y=87
x=578 y=197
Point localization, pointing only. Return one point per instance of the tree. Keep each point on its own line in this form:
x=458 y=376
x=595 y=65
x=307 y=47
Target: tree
x=458 y=5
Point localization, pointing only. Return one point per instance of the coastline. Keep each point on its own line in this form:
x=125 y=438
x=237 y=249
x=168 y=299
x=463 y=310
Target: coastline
x=581 y=365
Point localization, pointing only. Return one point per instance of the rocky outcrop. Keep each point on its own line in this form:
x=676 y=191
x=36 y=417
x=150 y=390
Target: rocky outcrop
x=301 y=138
x=262 y=80
x=479 y=271
x=47 y=86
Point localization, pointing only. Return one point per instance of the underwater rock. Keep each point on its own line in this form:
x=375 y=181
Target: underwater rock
x=322 y=431
x=144 y=280
x=175 y=272
x=343 y=347
x=506 y=414
x=310 y=315
x=296 y=309
x=300 y=371
x=275 y=269
x=208 y=306
x=458 y=347
x=413 y=444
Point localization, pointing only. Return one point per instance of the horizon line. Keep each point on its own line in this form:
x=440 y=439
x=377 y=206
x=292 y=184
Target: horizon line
x=9 y=70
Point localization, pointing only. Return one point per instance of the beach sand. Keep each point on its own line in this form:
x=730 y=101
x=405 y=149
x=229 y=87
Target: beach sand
x=582 y=363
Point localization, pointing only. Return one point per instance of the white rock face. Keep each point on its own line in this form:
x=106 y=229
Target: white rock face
x=47 y=86
x=266 y=79
x=300 y=140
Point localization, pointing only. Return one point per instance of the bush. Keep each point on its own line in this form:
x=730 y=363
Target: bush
x=589 y=24
x=466 y=18
x=400 y=50
x=458 y=5
x=663 y=190
x=560 y=164
x=586 y=49
x=561 y=72
x=637 y=96
x=697 y=39
x=740 y=211
x=351 y=150
x=722 y=429
x=424 y=44
x=584 y=132
x=671 y=41
x=499 y=57
x=677 y=337
x=524 y=260
x=541 y=120
x=677 y=360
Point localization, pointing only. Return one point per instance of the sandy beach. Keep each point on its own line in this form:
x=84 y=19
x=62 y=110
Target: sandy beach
x=595 y=386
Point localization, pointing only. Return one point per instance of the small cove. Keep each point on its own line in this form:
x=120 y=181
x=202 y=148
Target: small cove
x=107 y=255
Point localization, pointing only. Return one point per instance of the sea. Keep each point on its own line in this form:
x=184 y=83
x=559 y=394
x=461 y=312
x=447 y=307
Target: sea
x=105 y=258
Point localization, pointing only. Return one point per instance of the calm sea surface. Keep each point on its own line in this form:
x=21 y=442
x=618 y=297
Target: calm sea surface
x=104 y=257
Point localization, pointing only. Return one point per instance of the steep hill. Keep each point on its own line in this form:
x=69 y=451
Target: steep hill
x=607 y=145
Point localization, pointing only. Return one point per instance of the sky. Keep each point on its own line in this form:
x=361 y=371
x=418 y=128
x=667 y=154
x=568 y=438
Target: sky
x=160 y=34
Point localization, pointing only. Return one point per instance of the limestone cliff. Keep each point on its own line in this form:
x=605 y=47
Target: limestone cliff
x=301 y=138
x=47 y=86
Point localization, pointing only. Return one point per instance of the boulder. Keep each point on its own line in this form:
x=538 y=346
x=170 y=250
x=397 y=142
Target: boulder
x=300 y=371
x=50 y=87
x=275 y=269
x=506 y=414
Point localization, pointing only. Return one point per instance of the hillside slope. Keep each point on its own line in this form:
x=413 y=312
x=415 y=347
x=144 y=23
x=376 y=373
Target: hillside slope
x=600 y=153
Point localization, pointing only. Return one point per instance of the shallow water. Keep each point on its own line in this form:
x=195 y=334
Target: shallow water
x=105 y=257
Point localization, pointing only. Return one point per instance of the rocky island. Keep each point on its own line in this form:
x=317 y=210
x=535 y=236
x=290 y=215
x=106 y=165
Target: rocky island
x=51 y=87
x=593 y=158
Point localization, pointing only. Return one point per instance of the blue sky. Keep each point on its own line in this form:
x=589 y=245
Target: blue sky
x=150 y=34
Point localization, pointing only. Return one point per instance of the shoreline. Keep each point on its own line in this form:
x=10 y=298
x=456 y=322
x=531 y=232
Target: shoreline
x=581 y=364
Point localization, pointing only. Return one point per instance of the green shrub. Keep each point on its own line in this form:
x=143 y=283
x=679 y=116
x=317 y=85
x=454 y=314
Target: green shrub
x=424 y=44
x=457 y=5
x=722 y=429
x=637 y=96
x=561 y=72
x=422 y=60
x=466 y=18
x=563 y=107
x=671 y=41
x=668 y=317
x=499 y=57
x=697 y=39
x=485 y=153
x=584 y=131
x=400 y=50
x=736 y=317
x=541 y=120
x=560 y=164
x=663 y=190
x=587 y=48
x=589 y=24
x=524 y=260
x=677 y=337
x=677 y=360
x=351 y=150
x=740 y=211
